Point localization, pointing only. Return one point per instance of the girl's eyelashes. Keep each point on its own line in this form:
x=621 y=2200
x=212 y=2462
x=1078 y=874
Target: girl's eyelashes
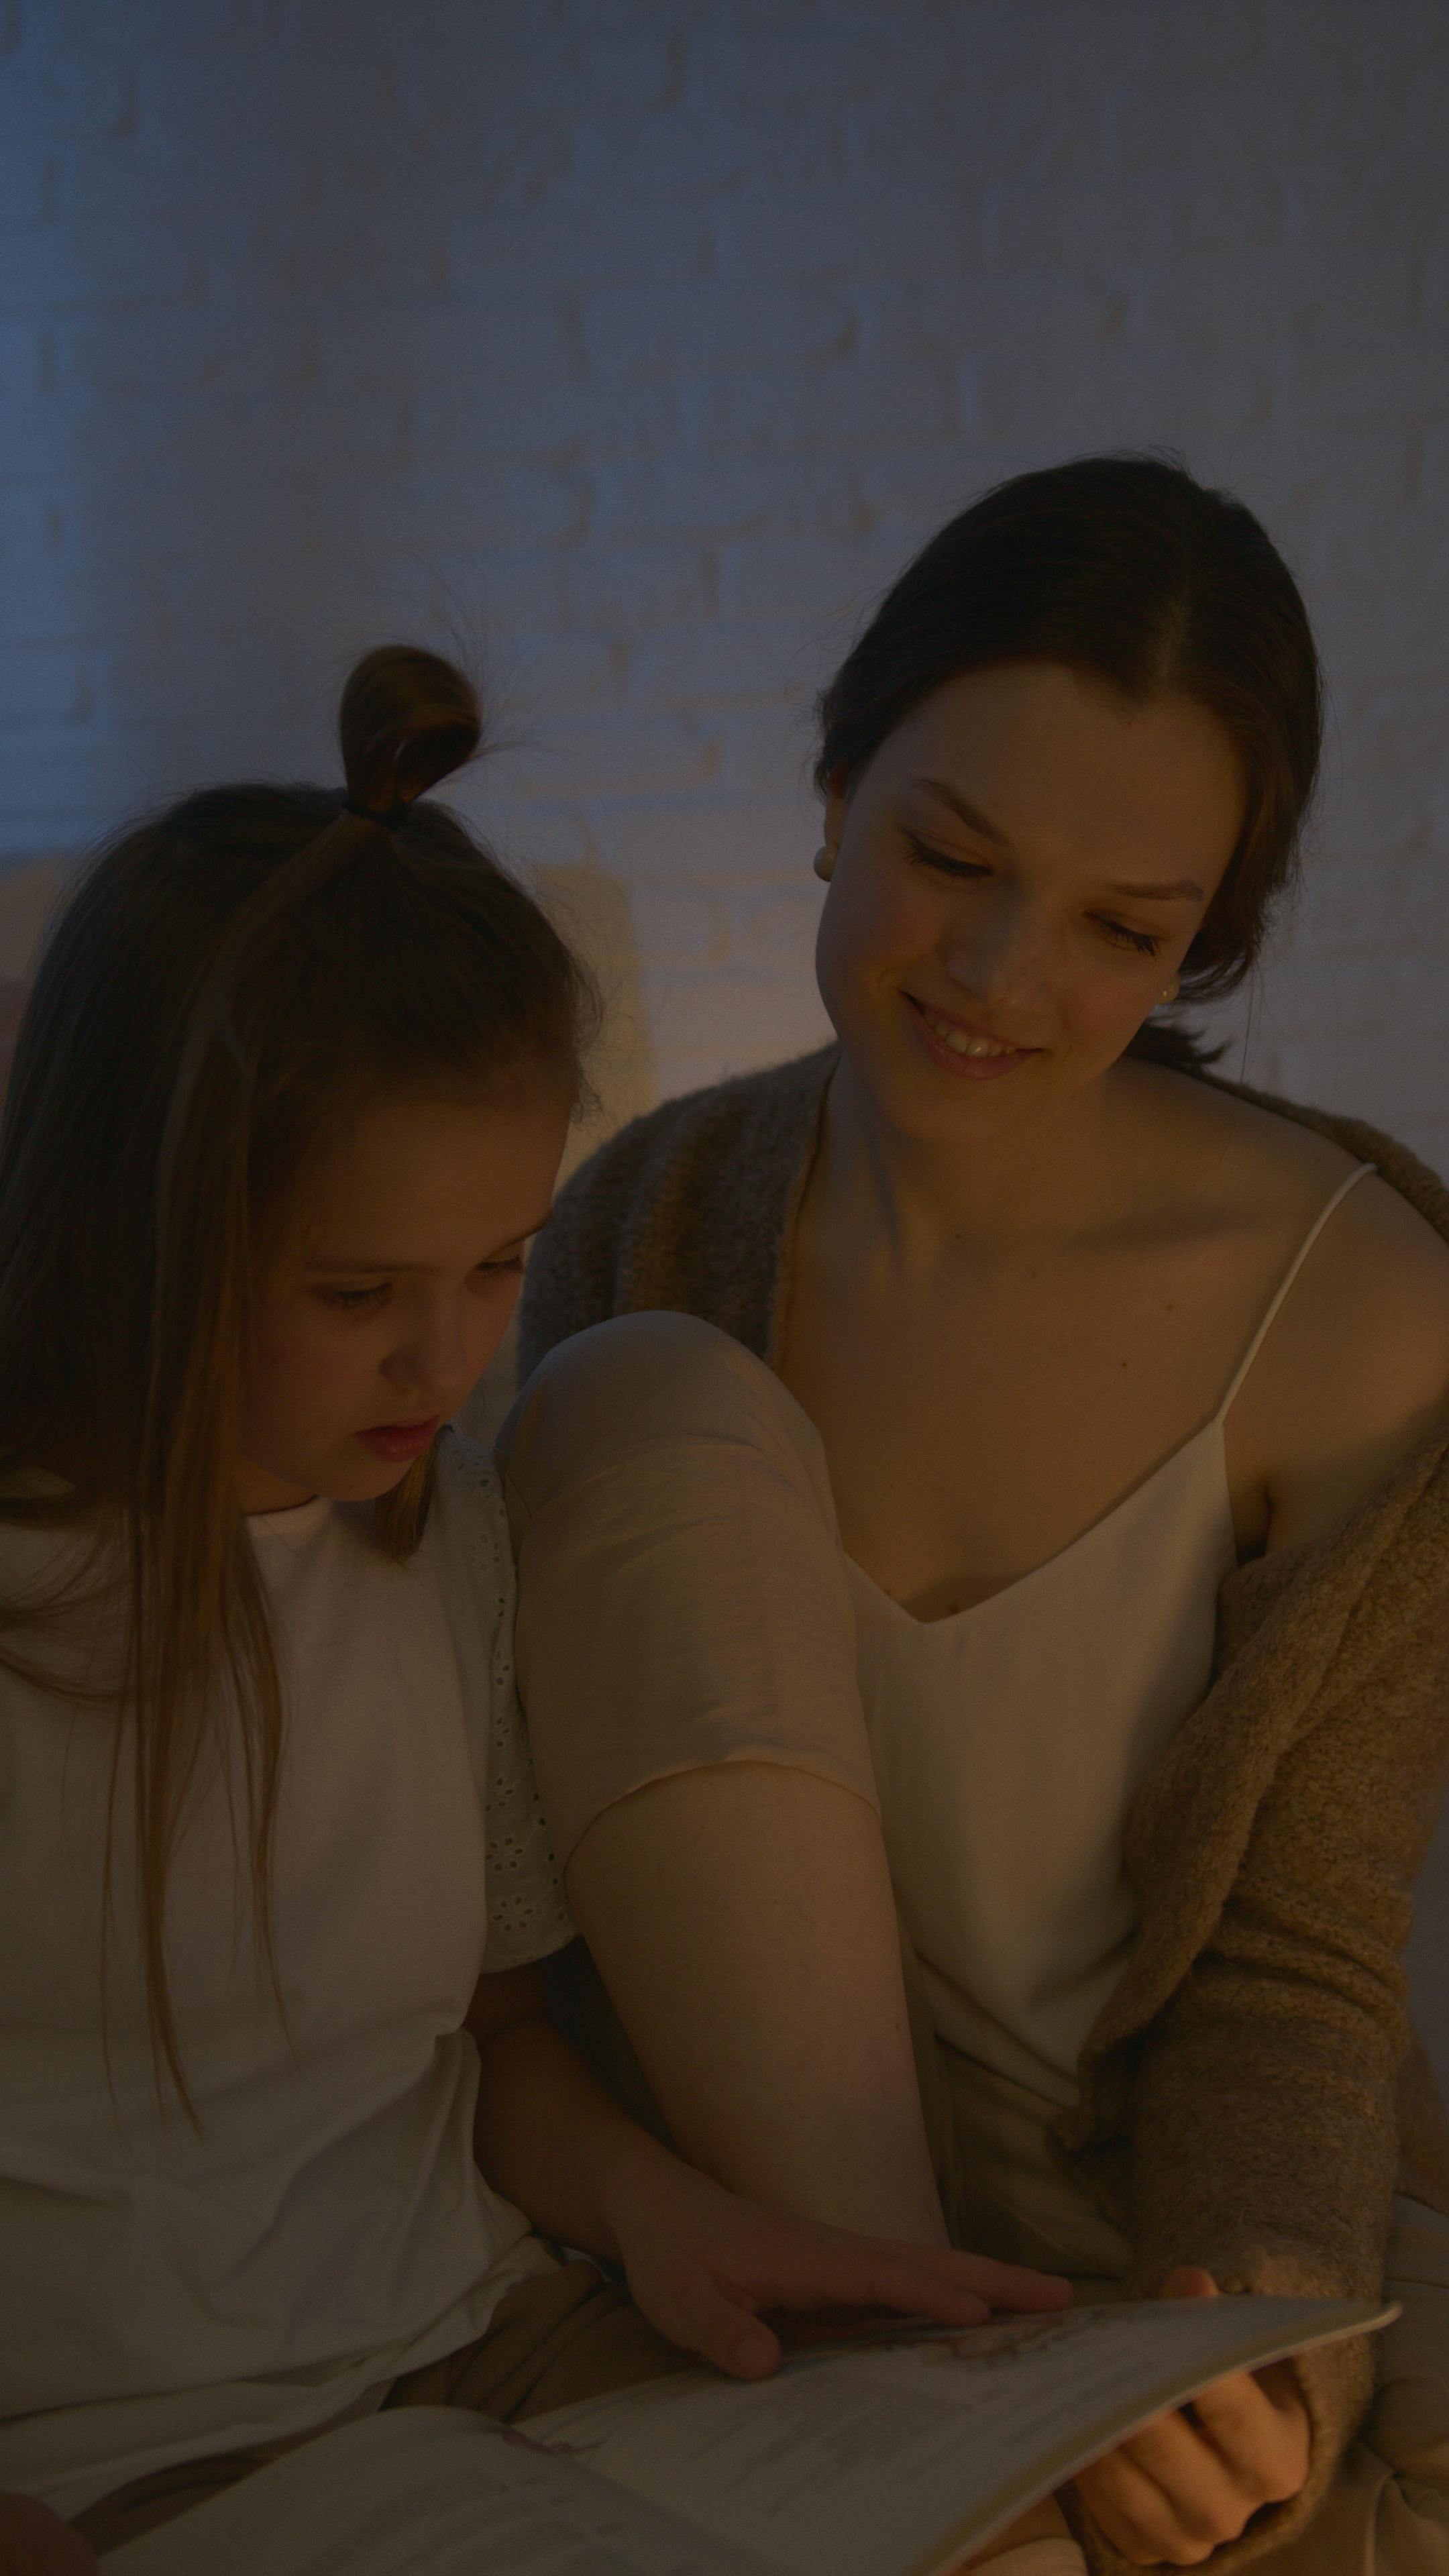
x=922 y=855
x=354 y=1301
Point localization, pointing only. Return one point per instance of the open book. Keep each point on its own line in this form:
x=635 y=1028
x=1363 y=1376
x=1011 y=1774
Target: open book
x=894 y=2457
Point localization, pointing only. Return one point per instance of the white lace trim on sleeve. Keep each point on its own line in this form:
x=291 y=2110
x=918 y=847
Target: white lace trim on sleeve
x=528 y=1916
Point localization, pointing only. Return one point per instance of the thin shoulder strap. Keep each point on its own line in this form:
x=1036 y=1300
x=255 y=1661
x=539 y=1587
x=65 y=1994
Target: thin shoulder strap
x=1286 y=1282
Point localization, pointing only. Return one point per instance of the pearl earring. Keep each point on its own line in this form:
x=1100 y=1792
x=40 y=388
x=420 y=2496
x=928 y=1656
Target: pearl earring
x=824 y=862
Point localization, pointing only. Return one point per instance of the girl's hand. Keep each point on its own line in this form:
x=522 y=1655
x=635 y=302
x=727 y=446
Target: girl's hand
x=1194 y=2479
x=701 y=2264
x=35 y=2542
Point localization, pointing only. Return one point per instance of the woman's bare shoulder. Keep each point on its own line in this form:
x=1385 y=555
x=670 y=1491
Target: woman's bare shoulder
x=1253 y=1152
x=1355 y=1368
x=1355 y=1372
x=1247 y=1149
x=1375 y=1299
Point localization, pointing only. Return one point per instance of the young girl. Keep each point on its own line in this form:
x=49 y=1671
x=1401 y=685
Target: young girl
x=287 y=1104
x=1059 y=1546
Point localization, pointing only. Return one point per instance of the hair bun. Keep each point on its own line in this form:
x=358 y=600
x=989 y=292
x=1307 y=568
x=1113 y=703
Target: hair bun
x=407 y=720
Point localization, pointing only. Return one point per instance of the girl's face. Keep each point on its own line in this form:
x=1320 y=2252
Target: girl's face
x=392 y=1291
x=1018 y=873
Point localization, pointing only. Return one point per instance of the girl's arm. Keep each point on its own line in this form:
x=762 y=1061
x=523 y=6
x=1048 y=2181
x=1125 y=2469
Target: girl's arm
x=35 y=2542
x=772 y=2021
x=701 y=2263
x=686 y=1652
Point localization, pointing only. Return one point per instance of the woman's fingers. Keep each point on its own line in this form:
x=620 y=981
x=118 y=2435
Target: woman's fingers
x=1190 y=2481
x=1133 y=2514
x=1258 y=2424
x=1189 y=2281
x=1208 y=2496
x=1187 y=2483
x=1165 y=2496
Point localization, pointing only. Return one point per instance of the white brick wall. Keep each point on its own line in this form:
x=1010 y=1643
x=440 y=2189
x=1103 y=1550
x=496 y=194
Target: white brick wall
x=633 y=344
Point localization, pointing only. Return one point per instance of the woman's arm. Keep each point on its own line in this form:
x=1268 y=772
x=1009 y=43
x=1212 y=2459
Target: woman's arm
x=1285 y=2037
x=1292 y=2021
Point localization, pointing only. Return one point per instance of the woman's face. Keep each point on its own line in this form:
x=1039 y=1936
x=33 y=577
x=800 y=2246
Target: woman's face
x=1018 y=873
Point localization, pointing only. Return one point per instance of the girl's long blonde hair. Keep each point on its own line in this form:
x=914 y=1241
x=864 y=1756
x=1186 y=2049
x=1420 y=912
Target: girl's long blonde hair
x=232 y=982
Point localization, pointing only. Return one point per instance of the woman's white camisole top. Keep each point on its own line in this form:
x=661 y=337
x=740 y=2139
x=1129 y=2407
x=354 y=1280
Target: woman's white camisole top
x=1010 y=1740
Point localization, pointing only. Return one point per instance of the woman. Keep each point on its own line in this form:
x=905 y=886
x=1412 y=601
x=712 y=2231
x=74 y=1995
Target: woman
x=1128 y=1388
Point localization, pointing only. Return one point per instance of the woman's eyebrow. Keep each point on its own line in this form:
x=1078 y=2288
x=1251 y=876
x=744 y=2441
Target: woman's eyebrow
x=971 y=815
x=1178 y=889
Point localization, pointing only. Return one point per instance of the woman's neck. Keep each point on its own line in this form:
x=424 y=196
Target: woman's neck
x=1043 y=1174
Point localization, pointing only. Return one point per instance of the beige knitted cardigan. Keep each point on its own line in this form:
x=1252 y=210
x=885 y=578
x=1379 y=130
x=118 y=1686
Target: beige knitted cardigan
x=1251 y=2091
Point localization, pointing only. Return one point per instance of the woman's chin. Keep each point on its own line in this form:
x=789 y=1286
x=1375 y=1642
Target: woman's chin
x=937 y=1104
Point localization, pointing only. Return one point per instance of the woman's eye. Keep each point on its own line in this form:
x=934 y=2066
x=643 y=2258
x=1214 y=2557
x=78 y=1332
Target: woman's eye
x=1121 y=937
x=351 y=1301
x=510 y=1269
x=924 y=856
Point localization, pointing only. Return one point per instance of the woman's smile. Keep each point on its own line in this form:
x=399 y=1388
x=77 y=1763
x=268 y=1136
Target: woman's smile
x=963 y=1047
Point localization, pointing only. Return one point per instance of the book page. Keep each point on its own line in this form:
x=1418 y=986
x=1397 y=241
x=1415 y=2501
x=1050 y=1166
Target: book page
x=427 y=2491
x=896 y=2460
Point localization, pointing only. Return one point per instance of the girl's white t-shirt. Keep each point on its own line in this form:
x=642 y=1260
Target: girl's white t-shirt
x=169 y=2288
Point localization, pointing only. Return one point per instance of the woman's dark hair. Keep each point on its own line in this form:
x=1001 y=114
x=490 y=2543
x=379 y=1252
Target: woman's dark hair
x=234 y=981
x=1127 y=570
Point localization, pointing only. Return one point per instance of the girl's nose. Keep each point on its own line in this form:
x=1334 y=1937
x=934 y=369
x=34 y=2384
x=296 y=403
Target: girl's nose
x=433 y=1360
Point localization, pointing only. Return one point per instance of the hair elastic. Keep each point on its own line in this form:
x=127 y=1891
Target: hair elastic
x=391 y=817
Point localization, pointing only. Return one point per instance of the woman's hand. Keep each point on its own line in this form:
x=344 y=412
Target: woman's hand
x=35 y=2542
x=702 y=2264
x=1194 y=2479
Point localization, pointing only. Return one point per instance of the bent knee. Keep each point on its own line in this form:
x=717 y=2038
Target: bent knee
x=647 y=1379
